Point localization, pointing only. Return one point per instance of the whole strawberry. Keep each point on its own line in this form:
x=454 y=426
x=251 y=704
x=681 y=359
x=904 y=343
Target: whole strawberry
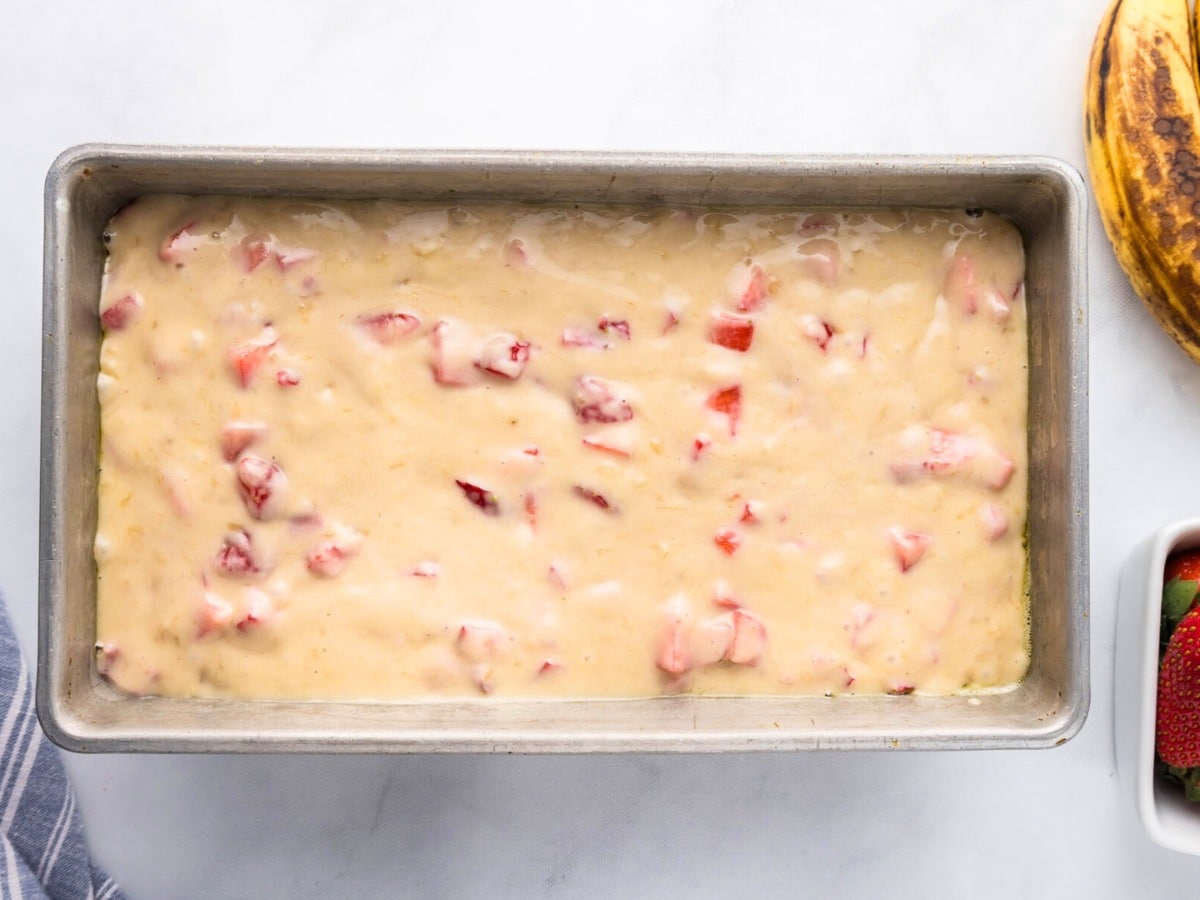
x=1178 y=716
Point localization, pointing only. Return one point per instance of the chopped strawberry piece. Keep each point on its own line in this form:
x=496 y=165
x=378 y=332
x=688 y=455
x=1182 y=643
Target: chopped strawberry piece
x=712 y=640
x=216 y=613
x=616 y=441
x=577 y=337
x=286 y=257
x=329 y=556
x=674 y=652
x=549 y=667
x=755 y=291
x=997 y=306
x=949 y=452
x=995 y=522
x=723 y=596
x=818 y=223
x=425 y=569
x=480 y=641
x=820 y=332
x=960 y=287
x=454 y=353
x=262 y=485
x=236 y=559
x=504 y=355
x=259 y=609
x=909 y=546
x=558 y=574
x=514 y=253
x=247 y=356
x=594 y=497
x=239 y=436
x=531 y=510
x=752 y=512
x=728 y=539
x=901 y=689
x=122 y=312
x=178 y=243
x=388 y=327
x=287 y=377
x=531 y=450
x=619 y=326
x=728 y=401
x=598 y=400
x=749 y=638
x=730 y=331
x=254 y=251
x=670 y=321
x=107 y=654
x=821 y=259
x=699 y=444
x=481 y=497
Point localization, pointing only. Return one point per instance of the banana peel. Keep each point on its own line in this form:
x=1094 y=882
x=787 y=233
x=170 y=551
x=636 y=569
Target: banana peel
x=1142 y=134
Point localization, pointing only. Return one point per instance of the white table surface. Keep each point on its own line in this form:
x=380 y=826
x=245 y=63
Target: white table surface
x=792 y=77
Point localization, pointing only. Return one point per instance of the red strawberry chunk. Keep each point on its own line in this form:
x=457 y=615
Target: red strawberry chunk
x=960 y=286
x=254 y=251
x=480 y=497
x=599 y=400
x=728 y=539
x=995 y=521
x=700 y=443
x=453 y=353
x=673 y=655
x=670 y=321
x=577 y=337
x=817 y=330
x=388 y=327
x=752 y=512
x=425 y=569
x=482 y=640
x=248 y=356
x=1177 y=735
x=712 y=639
x=107 y=654
x=594 y=497
x=908 y=546
x=179 y=243
x=504 y=355
x=749 y=638
x=730 y=331
x=122 y=312
x=755 y=291
x=239 y=436
x=549 y=667
x=215 y=614
x=236 y=559
x=328 y=557
x=618 y=326
x=531 y=511
x=728 y=401
x=262 y=485
x=259 y=609
x=287 y=377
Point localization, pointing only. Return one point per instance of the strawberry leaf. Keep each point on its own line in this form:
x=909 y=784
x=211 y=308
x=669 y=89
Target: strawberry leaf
x=1178 y=597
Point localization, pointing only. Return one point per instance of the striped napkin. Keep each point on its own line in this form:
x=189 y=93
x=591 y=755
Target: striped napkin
x=42 y=851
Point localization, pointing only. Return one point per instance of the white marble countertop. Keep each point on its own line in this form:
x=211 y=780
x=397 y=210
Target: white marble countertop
x=938 y=76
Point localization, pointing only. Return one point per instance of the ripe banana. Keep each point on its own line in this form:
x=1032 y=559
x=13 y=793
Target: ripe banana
x=1143 y=151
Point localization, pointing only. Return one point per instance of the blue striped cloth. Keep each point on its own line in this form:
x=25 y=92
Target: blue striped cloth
x=42 y=851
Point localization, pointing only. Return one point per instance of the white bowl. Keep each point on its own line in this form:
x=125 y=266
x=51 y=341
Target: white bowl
x=1169 y=819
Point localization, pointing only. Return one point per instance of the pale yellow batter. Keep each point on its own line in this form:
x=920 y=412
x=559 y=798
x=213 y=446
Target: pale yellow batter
x=376 y=450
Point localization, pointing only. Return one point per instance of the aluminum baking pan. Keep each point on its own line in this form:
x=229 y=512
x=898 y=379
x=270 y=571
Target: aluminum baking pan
x=1043 y=197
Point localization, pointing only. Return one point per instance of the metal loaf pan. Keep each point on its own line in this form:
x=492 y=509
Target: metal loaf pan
x=1044 y=197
